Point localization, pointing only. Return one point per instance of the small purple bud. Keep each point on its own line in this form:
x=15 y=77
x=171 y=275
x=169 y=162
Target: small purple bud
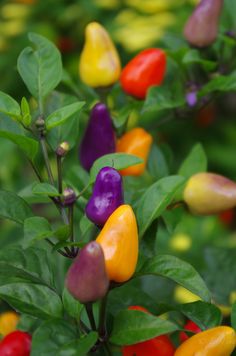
x=107 y=196
x=69 y=197
x=191 y=98
x=99 y=137
x=87 y=278
x=201 y=28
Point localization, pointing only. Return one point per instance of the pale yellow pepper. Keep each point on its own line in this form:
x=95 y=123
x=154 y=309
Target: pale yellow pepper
x=8 y=322
x=218 y=341
x=99 y=62
x=119 y=241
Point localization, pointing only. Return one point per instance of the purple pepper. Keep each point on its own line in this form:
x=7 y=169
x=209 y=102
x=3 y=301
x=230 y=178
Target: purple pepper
x=191 y=98
x=87 y=278
x=99 y=137
x=107 y=196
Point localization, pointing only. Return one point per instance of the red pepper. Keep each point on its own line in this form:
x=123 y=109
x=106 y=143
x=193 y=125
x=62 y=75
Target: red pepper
x=158 y=346
x=17 y=343
x=191 y=326
x=143 y=71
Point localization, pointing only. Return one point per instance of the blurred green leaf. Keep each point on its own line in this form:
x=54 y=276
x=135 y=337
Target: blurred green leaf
x=193 y=56
x=71 y=305
x=28 y=145
x=61 y=115
x=13 y=207
x=195 y=162
x=157 y=164
x=26 y=116
x=220 y=83
x=80 y=346
x=45 y=189
x=36 y=228
x=9 y=106
x=233 y=316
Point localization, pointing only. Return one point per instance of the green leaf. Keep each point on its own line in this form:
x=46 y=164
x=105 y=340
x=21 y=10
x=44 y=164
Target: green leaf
x=45 y=189
x=60 y=116
x=33 y=299
x=155 y=200
x=133 y=326
x=220 y=83
x=71 y=305
x=31 y=265
x=60 y=332
x=179 y=271
x=13 y=207
x=28 y=145
x=115 y=160
x=205 y=315
x=26 y=116
x=80 y=346
x=9 y=106
x=157 y=164
x=195 y=162
x=193 y=56
x=40 y=66
x=62 y=233
x=233 y=316
x=36 y=228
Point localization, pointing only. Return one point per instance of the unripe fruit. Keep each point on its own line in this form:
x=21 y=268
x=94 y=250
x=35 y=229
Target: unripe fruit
x=209 y=193
x=86 y=278
x=202 y=27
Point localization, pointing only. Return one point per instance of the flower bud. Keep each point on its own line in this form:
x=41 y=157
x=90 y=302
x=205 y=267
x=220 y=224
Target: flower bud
x=99 y=62
x=209 y=193
x=201 y=28
x=62 y=149
x=69 y=197
x=99 y=137
x=86 y=278
x=107 y=196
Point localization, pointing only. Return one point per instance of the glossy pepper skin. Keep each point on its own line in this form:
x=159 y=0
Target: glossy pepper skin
x=8 y=322
x=99 y=137
x=17 y=343
x=86 y=278
x=119 y=241
x=218 y=341
x=99 y=62
x=143 y=71
x=158 y=346
x=201 y=28
x=191 y=326
x=107 y=196
x=209 y=193
x=136 y=142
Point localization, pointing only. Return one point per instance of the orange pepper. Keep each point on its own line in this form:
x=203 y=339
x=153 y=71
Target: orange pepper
x=218 y=341
x=119 y=241
x=8 y=322
x=137 y=142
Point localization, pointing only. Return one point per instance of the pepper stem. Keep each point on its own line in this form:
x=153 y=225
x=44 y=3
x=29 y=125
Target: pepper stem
x=59 y=174
x=89 y=310
x=102 y=318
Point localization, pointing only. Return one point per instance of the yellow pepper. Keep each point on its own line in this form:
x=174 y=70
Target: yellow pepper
x=209 y=193
x=99 y=62
x=119 y=241
x=218 y=341
x=137 y=142
x=8 y=322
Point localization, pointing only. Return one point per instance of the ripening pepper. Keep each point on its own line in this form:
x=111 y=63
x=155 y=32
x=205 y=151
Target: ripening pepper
x=218 y=341
x=107 y=196
x=209 y=193
x=17 y=343
x=8 y=322
x=143 y=71
x=86 y=278
x=99 y=137
x=202 y=27
x=191 y=326
x=99 y=62
x=158 y=346
x=119 y=241
x=136 y=142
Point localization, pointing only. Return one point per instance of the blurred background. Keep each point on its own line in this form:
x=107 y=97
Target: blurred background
x=208 y=243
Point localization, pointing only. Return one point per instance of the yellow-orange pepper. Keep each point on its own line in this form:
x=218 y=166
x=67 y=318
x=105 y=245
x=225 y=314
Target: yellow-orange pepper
x=136 y=142
x=119 y=241
x=8 y=322
x=209 y=193
x=218 y=341
x=99 y=62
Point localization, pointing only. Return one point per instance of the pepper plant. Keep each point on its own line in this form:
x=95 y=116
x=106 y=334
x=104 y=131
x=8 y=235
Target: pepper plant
x=91 y=228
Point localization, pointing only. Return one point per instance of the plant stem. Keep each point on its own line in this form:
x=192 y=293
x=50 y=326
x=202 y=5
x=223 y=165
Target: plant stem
x=36 y=171
x=59 y=173
x=82 y=191
x=107 y=349
x=89 y=310
x=71 y=221
x=46 y=158
x=102 y=318
x=59 y=251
